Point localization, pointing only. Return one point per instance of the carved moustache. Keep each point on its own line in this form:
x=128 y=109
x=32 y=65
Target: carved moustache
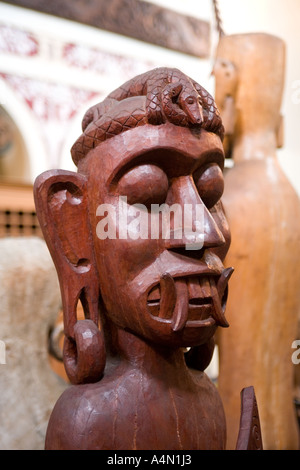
x=200 y=299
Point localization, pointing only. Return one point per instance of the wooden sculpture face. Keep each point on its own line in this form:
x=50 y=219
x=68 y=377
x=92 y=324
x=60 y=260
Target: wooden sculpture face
x=165 y=286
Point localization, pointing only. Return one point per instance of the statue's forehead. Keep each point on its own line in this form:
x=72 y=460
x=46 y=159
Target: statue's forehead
x=139 y=143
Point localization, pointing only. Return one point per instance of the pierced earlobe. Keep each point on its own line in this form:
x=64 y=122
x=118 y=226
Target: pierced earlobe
x=84 y=353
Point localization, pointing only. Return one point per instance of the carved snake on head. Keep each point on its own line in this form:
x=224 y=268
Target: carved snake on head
x=169 y=96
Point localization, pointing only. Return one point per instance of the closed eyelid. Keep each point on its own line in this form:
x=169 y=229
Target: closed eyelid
x=173 y=161
x=144 y=184
x=202 y=169
x=130 y=168
x=210 y=184
x=143 y=170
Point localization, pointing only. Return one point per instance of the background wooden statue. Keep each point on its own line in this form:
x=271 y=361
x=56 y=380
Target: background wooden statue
x=154 y=141
x=263 y=211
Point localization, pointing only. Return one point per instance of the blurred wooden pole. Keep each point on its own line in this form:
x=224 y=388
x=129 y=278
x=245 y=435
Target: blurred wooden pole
x=263 y=211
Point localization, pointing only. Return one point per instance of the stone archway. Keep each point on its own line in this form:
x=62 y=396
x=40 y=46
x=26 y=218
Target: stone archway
x=14 y=160
x=22 y=151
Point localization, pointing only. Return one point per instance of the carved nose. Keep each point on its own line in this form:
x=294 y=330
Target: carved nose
x=199 y=117
x=197 y=120
x=193 y=227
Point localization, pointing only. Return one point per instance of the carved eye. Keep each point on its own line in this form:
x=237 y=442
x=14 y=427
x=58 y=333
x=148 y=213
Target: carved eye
x=210 y=184
x=190 y=100
x=144 y=184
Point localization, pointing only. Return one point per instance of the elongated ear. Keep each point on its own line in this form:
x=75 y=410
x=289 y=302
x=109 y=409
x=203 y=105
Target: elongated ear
x=61 y=205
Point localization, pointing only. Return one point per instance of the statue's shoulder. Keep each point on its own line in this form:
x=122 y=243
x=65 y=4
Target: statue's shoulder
x=72 y=427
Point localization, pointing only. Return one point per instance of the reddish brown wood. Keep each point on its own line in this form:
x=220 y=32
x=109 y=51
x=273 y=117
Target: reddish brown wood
x=249 y=437
x=152 y=296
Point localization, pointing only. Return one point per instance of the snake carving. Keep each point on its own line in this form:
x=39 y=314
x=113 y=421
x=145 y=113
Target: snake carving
x=169 y=96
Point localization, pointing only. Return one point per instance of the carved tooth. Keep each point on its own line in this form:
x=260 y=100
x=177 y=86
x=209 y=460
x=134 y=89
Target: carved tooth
x=167 y=296
x=223 y=281
x=218 y=311
x=181 y=311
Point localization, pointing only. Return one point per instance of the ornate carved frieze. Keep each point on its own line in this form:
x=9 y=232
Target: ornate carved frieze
x=133 y=18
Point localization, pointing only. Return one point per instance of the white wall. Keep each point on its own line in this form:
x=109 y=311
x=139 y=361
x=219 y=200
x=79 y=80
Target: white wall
x=281 y=18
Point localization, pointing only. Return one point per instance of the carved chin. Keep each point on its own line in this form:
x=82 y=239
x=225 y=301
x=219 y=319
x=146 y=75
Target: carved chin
x=194 y=301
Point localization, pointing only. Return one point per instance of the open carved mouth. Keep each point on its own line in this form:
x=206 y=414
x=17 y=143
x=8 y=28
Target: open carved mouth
x=191 y=300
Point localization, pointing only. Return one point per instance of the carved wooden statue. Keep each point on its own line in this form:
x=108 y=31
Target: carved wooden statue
x=148 y=290
x=263 y=211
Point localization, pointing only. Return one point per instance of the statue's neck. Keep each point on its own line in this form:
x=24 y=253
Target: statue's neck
x=254 y=146
x=149 y=358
